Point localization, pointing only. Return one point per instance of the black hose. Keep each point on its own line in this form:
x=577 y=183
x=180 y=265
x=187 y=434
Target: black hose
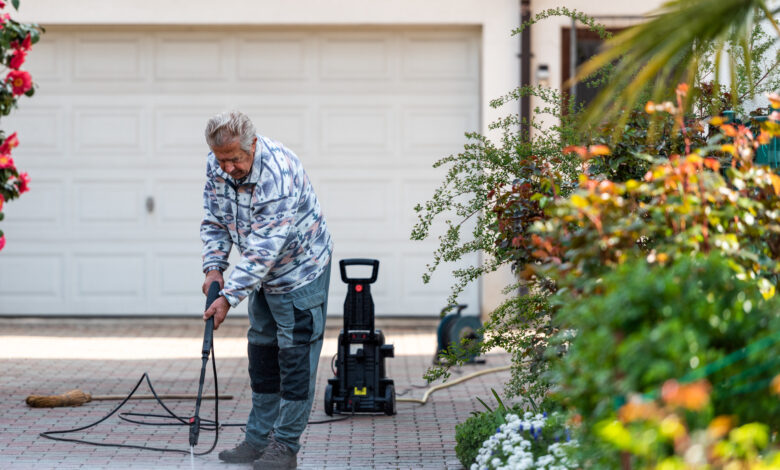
x=195 y=427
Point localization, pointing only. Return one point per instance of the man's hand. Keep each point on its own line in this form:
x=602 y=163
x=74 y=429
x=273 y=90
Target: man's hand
x=211 y=276
x=219 y=310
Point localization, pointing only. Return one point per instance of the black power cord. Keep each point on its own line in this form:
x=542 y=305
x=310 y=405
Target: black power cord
x=195 y=423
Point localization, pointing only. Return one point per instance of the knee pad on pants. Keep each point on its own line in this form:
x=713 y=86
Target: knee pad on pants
x=294 y=363
x=264 y=368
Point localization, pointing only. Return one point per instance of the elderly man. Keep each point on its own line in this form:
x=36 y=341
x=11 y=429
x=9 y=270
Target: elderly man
x=259 y=199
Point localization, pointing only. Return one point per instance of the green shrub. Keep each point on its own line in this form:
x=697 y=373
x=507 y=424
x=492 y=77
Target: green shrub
x=470 y=434
x=647 y=324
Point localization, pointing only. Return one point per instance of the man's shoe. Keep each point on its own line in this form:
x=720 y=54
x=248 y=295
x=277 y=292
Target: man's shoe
x=277 y=456
x=242 y=453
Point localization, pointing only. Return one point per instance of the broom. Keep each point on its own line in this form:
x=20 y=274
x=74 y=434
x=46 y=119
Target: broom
x=77 y=398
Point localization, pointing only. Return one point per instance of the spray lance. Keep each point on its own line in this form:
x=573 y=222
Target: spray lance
x=208 y=343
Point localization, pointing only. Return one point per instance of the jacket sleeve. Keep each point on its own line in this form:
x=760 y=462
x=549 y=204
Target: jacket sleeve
x=215 y=236
x=273 y=216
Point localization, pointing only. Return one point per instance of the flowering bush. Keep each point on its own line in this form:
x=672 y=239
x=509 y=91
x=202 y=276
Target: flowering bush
x=16 y=40
x=533 y=441
x=670 y=433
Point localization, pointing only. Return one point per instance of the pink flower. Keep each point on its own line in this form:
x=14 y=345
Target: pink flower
x=17 y=59
x=6 y=162
x=21 y=81
x=23 y=183
x=10 y=143
x=2 y=242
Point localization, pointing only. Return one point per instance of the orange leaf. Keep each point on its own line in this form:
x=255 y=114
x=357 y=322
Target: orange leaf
x=774 y=98
x=712 y=164
x=720 y=426
x=541 y=254
x=581 y=151
x=729 y=130
x=693 y=396
x=775 y=183
x=599 y=150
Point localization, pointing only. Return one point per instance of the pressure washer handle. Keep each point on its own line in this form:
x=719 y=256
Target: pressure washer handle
x=359 y=261
x=208 y=334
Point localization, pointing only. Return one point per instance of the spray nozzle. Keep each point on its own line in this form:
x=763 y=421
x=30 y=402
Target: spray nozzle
x=194 y=430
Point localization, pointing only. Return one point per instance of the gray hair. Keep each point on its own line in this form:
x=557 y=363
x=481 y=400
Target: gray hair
x=224 y=128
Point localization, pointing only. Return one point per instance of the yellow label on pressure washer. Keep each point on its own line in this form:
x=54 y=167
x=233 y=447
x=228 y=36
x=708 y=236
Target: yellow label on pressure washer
x=361 y=391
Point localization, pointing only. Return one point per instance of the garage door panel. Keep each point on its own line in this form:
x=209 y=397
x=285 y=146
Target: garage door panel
x=106 y=56
x=48 y=63
x=358 y=208
x=363 y=57
x=273 y=57
x=435 y=57
x=363 y=130
x=194 y=58
x=108 y=203
x=435 y=132
x=42 y=136
x=116 y=276
x=288 y=125
x=179 y=275
x=112 y=133
x=41 y=209
x=179 y=130
x=178 y=204
x=27 y=275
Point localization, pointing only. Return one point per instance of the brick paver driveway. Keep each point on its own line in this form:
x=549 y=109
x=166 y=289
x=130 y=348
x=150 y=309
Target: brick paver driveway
x=51 y=356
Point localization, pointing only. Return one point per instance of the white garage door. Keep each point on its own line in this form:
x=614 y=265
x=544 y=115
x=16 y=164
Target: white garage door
x=113 y=141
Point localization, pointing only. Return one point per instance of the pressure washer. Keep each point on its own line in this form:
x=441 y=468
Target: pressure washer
x=360 y=384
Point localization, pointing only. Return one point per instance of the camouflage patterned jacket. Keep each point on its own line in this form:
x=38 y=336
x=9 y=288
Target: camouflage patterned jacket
x=274 y=219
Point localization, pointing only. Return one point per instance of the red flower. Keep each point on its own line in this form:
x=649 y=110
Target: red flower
x=23 y=183
x=21 y=81
x=27 y=43
x=2 y=200
x=10 y=143
x=6 y=162
x=2 y=242
x=17 y=59
x=2 y=4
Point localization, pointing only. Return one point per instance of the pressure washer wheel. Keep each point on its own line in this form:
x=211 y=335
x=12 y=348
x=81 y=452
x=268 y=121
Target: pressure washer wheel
x=329 y=400
x=389 y=400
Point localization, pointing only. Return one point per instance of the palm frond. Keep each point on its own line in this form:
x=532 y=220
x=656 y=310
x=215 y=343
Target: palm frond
x=667 y=49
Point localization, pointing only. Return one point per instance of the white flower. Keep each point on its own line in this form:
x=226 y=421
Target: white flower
x=510 y=447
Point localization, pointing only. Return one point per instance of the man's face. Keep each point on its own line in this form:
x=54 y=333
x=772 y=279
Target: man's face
x=233 y=160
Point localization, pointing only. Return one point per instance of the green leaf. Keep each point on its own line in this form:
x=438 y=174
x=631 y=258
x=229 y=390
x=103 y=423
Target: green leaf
x=15 y=3
x=498 y=399
x=484 y=404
